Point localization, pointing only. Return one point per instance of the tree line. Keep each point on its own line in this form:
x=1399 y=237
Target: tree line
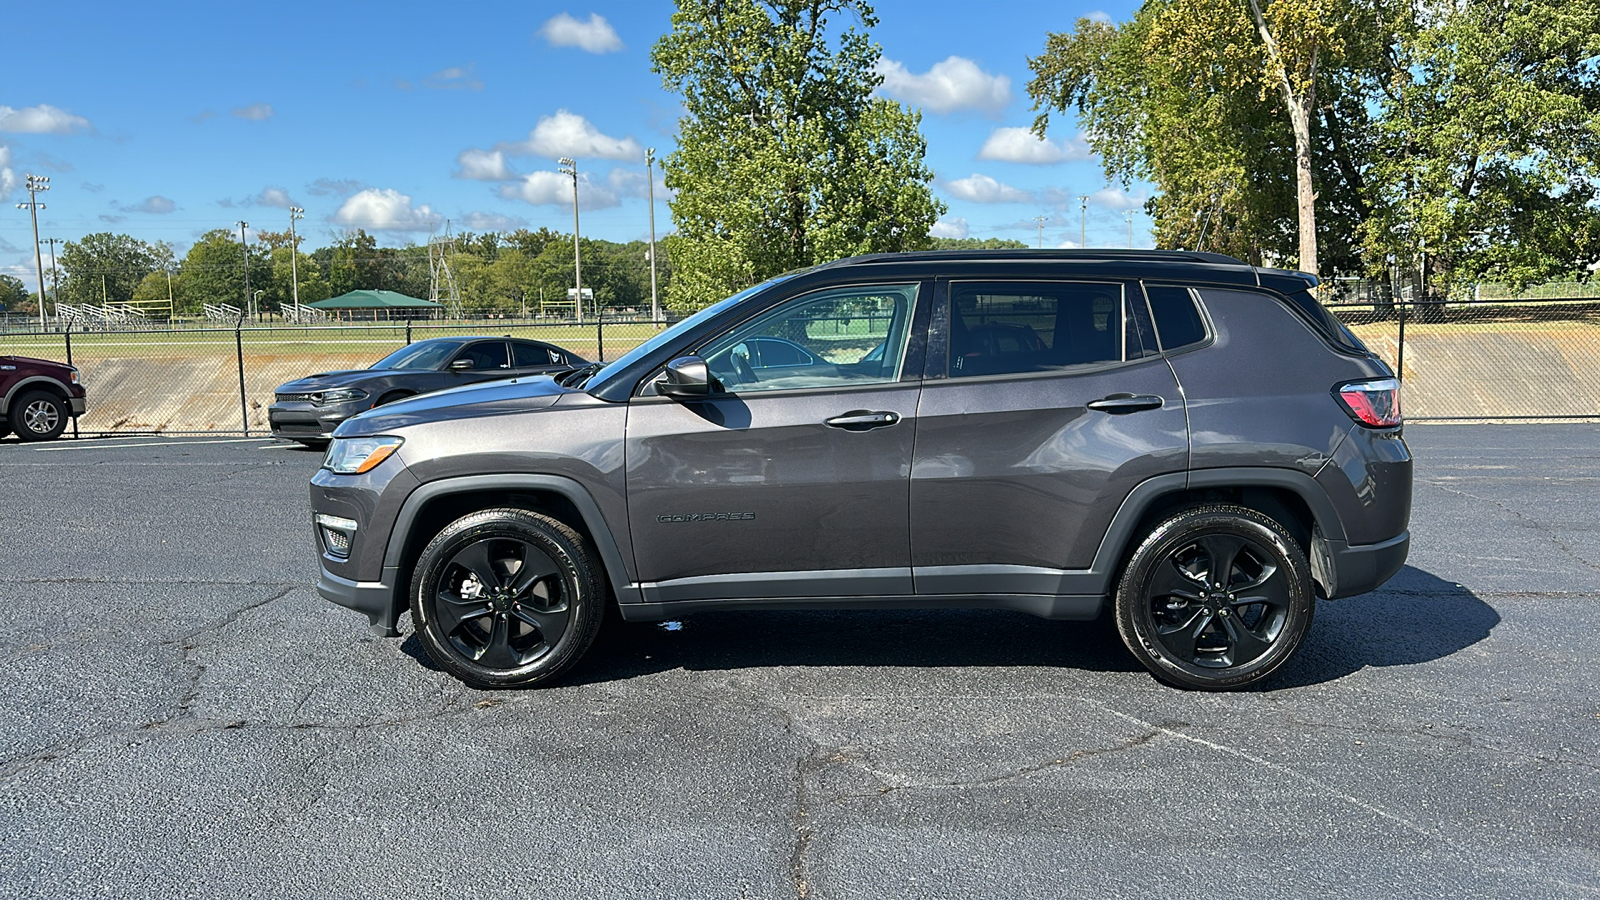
x=494 y=273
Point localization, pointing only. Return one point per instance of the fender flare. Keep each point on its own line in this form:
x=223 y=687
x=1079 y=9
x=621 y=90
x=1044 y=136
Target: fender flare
x=19 y=387
x=605 y=543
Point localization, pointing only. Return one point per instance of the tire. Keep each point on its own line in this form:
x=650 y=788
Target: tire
x=38 y=416
x=1188 y=632
x=487 y=625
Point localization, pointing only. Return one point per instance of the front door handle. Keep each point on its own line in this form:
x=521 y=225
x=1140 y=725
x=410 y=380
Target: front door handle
x=863 y=420
x=1119 y=404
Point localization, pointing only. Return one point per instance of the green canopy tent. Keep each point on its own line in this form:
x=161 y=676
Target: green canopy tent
x=377 y=306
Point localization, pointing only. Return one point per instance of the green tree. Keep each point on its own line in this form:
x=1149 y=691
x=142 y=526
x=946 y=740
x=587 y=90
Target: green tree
x=213 y=272
x=785 y=158
x=971 y=243
x=1488 y=159
x=107 y=268
x=13 y=294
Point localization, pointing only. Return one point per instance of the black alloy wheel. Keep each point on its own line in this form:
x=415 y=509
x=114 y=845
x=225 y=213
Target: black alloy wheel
x=1215 y=598
x=506 y=598
x=38 y=416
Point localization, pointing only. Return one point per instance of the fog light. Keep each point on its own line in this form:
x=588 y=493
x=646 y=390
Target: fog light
x=337 y=532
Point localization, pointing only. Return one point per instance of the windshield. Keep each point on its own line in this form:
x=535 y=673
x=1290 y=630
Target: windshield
x=426 y=355
x=621 y=363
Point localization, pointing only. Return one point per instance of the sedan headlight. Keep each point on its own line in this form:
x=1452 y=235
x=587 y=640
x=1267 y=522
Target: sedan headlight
x=340 y=395
x=354 y=456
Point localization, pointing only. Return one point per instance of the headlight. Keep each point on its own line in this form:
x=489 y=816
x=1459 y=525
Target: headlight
x=353 y=456
x=339 y=396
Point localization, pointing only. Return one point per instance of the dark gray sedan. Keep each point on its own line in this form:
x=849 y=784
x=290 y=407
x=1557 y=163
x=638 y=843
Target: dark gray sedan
x=309 y=409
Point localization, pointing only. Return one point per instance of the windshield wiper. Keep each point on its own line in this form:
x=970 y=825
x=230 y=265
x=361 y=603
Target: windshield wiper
x=577 y=377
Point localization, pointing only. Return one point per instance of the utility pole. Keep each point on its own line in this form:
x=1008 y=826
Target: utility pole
x=248 y=305
x=649 y=171
x=55 y=276
x=1128 y=214
x=569 y=166
x=37 y=184
x=1083 y=222
x=1041 y=220
x=295 y=212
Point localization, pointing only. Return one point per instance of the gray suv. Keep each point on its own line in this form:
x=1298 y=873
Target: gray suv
x=1193 y=441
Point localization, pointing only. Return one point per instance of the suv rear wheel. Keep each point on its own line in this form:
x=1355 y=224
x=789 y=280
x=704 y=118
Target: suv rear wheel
x=39 y=416
x=507 y=598
x=1215 y=598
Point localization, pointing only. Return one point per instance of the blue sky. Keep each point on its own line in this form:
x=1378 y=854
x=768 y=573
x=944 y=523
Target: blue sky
x=167 y=120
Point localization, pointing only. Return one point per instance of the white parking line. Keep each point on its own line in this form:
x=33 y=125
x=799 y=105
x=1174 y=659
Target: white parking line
x=93 y=446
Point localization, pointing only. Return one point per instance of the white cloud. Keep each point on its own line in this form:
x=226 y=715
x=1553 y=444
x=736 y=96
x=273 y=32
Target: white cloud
x=487 y=221
x=386 y=209
x=1100 y=16
x=1019 y=145
x=949 y=227
x=255 y=112
x=956 y=83
x=1069 y=245
x=454 y=78
x=334 y=187
x=484 y=165
x=569 y=134
x=8 y=178
x=983 y=189
x=157 y=205
x=41 y=119
x=1111 y=198
x=593 y=36
x=554 y=188
x=273 y=196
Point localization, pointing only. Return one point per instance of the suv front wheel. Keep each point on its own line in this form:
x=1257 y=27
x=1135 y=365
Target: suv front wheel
x=506 y=598
x=1215 y=598
x=39 y=416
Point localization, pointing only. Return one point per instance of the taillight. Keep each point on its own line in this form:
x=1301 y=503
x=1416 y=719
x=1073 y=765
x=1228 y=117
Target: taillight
x=1374 y=403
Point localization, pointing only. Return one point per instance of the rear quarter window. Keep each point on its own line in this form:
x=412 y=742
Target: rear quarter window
x=1179 y=324
x=1326 y=323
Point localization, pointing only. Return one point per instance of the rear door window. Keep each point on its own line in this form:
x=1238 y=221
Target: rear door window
x=528 y=355
x=486 y=355
x=1001 y=328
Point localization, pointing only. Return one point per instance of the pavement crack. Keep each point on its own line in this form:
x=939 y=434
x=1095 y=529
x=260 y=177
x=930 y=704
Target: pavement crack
x=1548 y=532
x=1073 y=757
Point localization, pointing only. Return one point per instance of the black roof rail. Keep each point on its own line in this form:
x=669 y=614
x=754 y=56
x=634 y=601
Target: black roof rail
x=1176 y=256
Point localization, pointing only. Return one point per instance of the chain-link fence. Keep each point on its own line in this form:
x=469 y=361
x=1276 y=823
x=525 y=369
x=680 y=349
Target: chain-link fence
x=221 y=381
x=1476 y=359
x=1485 y=358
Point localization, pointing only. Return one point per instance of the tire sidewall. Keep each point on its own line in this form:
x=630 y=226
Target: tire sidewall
x=19 y=424
x=1137 y=625
x=578 y=579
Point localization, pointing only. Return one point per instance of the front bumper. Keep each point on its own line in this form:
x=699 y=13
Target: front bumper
x=303 y=421
x=374 y=599
x=77 y=405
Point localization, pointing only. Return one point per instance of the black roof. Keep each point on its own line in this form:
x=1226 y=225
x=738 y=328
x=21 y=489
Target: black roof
x=1136 y=263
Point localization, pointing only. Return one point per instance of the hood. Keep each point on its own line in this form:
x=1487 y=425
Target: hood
x=323 y=381
x=489 y=398
x=32 y=361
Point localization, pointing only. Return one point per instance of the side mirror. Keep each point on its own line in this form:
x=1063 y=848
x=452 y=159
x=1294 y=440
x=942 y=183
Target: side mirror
x=686 y=377
x=461 y=365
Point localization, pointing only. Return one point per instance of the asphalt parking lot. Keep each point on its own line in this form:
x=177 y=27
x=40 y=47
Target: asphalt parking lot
x=182 y=716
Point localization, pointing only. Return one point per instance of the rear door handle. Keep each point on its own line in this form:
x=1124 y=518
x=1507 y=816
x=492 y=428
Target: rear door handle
x=1119 y=404
x=863 y=420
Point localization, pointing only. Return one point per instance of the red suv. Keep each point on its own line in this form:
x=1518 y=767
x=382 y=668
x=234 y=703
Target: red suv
x=37 y=397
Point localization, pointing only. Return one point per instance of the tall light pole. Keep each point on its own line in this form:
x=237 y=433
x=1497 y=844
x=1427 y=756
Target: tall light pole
x=650 y=173
x=249 y=306
x=1128 y=214
x=1041 y=220
x=37 y=184
x=295 y=212
x=1083 y=223
x=55 y=278
x=569 y=166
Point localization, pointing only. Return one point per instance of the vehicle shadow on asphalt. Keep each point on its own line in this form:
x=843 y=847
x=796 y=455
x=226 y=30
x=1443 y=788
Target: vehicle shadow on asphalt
x=1416 y=618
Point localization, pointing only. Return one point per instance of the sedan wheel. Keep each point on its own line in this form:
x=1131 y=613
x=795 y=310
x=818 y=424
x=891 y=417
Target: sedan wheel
x=506 y=598
x=1215 y=598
